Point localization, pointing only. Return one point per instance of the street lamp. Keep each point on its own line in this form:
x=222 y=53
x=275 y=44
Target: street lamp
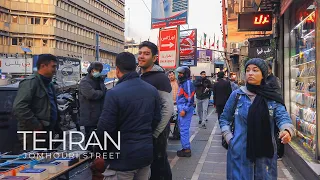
x=25 y=50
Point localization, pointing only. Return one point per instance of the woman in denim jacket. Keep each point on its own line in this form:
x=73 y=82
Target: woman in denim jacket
x=252 y=152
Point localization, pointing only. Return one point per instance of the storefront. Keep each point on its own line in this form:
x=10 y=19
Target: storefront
x=301 y=59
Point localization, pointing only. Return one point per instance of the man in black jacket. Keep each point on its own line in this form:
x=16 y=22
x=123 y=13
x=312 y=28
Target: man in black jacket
x=91 y=96
x=272 y=80
x=155 y=75
x=132 y=107
x=221 y=92
x=203 y=93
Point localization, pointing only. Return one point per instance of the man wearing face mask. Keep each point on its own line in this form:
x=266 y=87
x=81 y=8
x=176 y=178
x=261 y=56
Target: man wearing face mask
x=91 y=96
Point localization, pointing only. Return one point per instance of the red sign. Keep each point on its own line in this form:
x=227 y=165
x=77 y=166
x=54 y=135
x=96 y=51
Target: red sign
x=262 y=19
x=168 y=47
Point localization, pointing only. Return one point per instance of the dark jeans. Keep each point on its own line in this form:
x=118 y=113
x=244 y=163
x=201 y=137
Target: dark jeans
x=160 y=167
x=219 y=110
x=88 y=130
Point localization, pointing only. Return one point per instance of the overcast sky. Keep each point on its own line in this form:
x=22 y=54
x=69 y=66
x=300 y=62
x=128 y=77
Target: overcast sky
x=204 y=15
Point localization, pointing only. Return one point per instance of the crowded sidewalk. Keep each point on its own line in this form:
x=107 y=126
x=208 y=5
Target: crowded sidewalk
x=208 y=160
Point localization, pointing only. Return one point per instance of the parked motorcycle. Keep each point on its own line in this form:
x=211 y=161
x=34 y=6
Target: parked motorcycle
x=68 y=107
x=175 y=131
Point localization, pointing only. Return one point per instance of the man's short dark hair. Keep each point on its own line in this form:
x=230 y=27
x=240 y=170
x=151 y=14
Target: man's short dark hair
x=151 y=46
x=126 y=62
x=45 y=59
x=96 y=66
x=202 y=72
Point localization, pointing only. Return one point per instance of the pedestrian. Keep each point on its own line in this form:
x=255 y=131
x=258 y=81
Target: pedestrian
x=252 y=152
x=203 y=93
x=35 y=106
x=274 y=82
x=185 y=102
x=234 y=84
x=221 y=92
x=91 y=97
x=154 y=74
x=132 y=107
x=174 y=85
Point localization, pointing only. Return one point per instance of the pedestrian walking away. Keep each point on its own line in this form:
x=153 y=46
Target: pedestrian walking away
x=221 y=92
x=252 y=152
x=185 y=100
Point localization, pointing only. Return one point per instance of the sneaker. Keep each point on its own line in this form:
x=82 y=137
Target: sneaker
x=279 y=158
x=184 y=153
x=200 y=122
x=203 y=126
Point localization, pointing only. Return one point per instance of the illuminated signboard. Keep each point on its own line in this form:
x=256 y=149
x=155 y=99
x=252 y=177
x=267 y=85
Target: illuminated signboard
x=255 y=21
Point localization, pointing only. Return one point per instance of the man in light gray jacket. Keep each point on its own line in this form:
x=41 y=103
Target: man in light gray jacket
x=155 y=75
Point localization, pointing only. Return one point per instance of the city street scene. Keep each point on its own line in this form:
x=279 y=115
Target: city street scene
x=159 y=89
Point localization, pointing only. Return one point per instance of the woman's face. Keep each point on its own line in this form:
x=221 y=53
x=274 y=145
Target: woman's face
x=253 y=75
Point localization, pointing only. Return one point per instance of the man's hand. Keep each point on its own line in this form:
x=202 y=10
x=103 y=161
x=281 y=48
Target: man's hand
x=182 y=113
x=285 y=137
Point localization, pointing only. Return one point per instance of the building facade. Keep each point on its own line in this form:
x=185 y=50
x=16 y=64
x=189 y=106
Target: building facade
x=67 y=28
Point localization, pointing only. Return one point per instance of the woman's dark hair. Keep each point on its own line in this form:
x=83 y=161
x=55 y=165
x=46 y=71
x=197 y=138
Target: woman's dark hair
x=96 y=66
x=126 y=62
x=151 y=46
x=45 y=59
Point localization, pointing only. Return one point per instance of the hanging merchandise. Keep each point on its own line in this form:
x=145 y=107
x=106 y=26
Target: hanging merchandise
x=303 y=80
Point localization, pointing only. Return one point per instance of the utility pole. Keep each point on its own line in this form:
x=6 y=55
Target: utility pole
x=97 y=46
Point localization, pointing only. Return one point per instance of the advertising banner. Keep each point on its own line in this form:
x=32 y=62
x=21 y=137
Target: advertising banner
x=168 y=47
x=68 y=70
x=188 y=47
x=204 y=55
x=165 y=13
x=16 y=65
x=84 y=66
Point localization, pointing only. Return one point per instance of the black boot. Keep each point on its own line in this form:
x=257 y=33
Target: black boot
x=184 y=153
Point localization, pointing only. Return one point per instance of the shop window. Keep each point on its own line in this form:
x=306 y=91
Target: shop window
x=303 y=78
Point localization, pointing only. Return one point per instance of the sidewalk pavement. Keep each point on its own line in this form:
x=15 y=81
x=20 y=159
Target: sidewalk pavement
x=208 y=161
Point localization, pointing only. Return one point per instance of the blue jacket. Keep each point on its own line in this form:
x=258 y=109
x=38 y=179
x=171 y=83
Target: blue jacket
x=185 y=96
x=133 y=108
x=238 y=166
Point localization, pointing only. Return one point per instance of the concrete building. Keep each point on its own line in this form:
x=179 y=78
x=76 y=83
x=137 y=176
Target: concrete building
x=65 y=28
